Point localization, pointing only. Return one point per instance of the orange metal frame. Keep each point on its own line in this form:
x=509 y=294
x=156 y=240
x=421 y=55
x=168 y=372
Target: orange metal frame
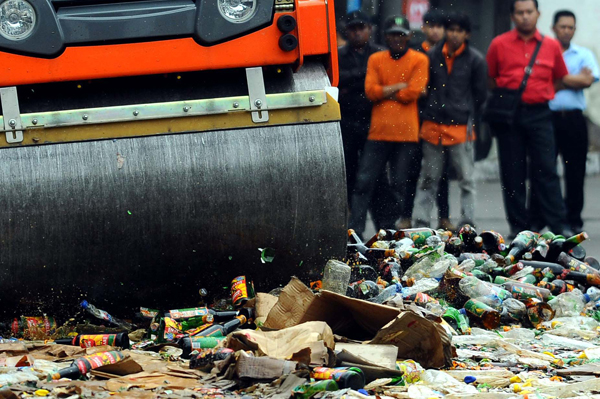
x=315 y=31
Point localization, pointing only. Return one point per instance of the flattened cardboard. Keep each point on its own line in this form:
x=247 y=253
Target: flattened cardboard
x=291 y=306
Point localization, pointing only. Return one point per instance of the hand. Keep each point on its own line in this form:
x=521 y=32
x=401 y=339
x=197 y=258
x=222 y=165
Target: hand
x=401 y=86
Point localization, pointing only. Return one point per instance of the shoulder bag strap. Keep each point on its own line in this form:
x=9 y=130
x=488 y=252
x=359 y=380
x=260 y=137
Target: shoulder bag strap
x=529 y=68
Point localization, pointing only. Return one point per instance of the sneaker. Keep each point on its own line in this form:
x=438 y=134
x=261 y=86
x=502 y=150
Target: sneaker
x=446 y=224
x=403 y=224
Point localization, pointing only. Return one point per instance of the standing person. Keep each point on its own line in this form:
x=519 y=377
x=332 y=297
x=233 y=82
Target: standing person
x=434 y=31
x=395 y=80
x=457 y=91
x=570 y=126
x=531 y=135
x=356 y=111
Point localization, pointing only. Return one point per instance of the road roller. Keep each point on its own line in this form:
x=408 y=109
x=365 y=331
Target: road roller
x=153 y=148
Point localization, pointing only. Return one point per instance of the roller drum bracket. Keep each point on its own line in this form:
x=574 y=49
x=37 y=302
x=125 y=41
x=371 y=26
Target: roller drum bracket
x=257 y=95
x=11 y=114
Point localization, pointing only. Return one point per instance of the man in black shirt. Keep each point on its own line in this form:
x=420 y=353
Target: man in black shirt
x=356 y=112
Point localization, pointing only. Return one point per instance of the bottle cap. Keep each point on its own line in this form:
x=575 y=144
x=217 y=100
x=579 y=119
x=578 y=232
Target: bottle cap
x=463 y=311
x=85 y=304
x=470 y=379
x=586 y=298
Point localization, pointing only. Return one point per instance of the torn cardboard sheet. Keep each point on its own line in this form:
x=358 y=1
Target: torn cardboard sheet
x=352 y=318
x=264 y=304
x=262 y=368
x=379 y=355
x=291 y=305
x=283 y=344
x=417 y=338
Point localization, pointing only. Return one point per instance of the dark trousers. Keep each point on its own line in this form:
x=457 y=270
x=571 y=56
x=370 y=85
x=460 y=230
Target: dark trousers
x=354 y=136
x=531 y=137
x=404 y=172
x=571 y=133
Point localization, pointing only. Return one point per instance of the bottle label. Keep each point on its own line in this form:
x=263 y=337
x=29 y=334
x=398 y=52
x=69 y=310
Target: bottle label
x=205 y=342
x=33 y=325
x=172 y=329
x=239 y=290
x=476 y=308
x=187 y=313
x=98 y=360
x=87 y=341
x=149 y=313
x=327 y=373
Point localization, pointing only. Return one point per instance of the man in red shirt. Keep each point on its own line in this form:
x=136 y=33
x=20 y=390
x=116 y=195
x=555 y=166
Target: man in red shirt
x=531 y=136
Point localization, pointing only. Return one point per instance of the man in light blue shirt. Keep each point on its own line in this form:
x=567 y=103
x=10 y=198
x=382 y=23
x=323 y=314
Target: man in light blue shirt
x=570 y=126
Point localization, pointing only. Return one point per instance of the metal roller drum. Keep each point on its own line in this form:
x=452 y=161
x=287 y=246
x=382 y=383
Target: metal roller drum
x=148 y=221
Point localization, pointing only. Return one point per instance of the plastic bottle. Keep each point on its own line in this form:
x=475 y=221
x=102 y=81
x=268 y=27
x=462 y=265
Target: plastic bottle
x=513 y=311
x=417 y=235
x=482 y=276
x=523 y=242
x=346 y=377
x=524 y=291
x=103 y=315
x=492 y=301
x=387 y=293
x=83 y=365
x=472 y=287
x=363 y=272
x=569 y=304
x=120 y=340
x=428 y=267
x=488 y=317
x=593 y=294
x=336 y=276
x=421 y=286
x=479 y=259
x=310 y=389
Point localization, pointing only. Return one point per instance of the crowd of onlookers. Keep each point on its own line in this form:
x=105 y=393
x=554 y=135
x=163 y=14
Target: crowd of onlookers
x=411 y=113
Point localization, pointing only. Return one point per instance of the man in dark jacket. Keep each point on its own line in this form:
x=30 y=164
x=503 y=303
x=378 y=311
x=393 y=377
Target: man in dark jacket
x=457 y=91
x=356 y=112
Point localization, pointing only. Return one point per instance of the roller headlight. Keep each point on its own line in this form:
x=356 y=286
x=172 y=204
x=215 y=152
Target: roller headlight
x=237 y=11
x=17 y=19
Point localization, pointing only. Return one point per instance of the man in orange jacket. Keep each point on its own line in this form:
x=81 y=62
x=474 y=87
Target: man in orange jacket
x=395 y=80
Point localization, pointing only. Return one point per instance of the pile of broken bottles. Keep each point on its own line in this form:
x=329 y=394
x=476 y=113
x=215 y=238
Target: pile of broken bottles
x=410 y=314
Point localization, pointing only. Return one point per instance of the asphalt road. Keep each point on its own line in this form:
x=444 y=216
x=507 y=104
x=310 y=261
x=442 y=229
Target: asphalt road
x=490 y=211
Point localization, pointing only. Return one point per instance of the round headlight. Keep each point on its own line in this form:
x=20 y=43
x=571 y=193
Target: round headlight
x=237 y=11
x=17 y=19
